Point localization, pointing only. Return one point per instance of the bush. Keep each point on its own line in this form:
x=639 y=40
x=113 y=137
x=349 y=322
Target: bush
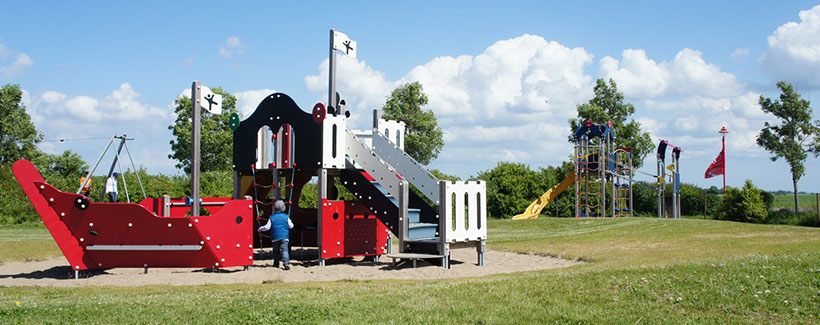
x=788 y=217
x=511 y=187
x=744 y=205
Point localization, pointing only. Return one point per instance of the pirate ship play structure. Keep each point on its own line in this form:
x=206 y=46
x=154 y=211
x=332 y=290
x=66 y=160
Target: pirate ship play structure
x=277 y=150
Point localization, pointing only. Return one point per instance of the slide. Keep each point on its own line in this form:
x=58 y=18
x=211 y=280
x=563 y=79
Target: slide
x=534 y=209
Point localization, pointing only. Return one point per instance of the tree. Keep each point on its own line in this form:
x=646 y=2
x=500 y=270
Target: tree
x=795 y=136
x=217 y=137
x=744 y=205
x=511 y=187
x=68 y=164
x=423 y=138
x=18 y=137
x=608 y=105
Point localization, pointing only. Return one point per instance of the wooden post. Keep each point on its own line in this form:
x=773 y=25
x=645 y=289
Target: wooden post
x=817 y=204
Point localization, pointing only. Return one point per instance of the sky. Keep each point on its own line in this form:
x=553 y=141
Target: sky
x=503 y=78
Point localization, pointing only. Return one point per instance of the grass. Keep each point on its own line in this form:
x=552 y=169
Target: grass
x=26 y=242
x=628 y=242
x=805 y=201
x=642 y=270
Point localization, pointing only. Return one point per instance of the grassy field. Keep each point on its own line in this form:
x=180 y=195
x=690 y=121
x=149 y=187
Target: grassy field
x=641 y=270
x=805 y=201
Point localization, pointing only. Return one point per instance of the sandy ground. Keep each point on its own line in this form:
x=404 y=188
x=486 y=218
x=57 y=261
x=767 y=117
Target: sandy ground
x=55 y=272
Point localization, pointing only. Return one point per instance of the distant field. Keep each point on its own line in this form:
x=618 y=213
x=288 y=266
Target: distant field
x=642 y=270
x=805 y=201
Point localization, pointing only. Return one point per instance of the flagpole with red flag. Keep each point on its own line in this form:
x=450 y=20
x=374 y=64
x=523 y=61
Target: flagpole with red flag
x=723 y=131
x=718 y=167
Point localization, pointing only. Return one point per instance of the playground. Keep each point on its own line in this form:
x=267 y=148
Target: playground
x=375 y=236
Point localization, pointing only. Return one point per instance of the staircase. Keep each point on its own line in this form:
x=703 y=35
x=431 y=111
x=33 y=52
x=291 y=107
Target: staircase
x=381 y=187
x=426 y=226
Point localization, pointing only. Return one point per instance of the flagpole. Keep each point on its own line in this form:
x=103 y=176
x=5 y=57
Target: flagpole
x=723 y=131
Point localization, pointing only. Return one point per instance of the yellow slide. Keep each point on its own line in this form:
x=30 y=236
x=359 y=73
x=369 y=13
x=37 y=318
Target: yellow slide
x=535 y=208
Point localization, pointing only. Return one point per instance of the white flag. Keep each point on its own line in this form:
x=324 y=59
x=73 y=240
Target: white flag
x=343 y=43
x=210 y=101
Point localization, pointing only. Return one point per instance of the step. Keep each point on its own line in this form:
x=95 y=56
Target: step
x=414 y=257
x=422 y=230
x=414 y=214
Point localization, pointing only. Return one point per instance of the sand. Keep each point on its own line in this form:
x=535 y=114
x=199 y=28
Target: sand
x=55 y=272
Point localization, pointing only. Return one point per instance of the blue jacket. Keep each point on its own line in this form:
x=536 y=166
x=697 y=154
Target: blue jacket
x=279 y=224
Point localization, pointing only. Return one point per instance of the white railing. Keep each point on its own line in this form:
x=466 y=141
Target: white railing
x=463 y=211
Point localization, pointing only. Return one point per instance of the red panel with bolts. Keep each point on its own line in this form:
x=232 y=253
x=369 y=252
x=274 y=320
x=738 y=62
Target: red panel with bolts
x=350 y=229
x=179 y=209
x=104 y=235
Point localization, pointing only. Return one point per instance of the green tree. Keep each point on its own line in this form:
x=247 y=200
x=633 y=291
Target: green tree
x=68 y=164
x=795 y=136
x=744 y=205
x=511 y=187
x=423 y=138
x=18 y=137
x=217 y=137
x=608 y=105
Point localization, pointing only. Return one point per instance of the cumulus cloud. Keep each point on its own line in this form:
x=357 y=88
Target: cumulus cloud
x=510 y=102
x=121 y=104
x=90 y=120
x=247 y=101
x=10 y=70
x=687 y=74
x=362 y=88
x=793 y=51
x=232 y=46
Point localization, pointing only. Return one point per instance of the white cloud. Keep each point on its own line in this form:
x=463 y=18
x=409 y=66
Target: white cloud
x=232 y=46
x=22 y=62
x=52 y=97
x=687 y=74
x=121 y=104
x=247 y=101
x=510 y=102
x=26 y=98
x=362 y=88
x=793 y=51
x=740 y=55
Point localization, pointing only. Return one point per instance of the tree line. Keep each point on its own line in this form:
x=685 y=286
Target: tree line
x=511 y=187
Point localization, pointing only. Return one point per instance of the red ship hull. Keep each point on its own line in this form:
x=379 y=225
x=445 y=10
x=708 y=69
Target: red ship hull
x=106 y=235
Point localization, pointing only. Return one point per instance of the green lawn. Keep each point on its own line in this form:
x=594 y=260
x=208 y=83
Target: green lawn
x=28 y=242
x=805 y=201
x=641 y=270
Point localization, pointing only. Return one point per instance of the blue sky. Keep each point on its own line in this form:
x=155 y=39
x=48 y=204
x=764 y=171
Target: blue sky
x=502 y=78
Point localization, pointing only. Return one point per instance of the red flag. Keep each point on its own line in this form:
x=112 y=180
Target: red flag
x=718 y=167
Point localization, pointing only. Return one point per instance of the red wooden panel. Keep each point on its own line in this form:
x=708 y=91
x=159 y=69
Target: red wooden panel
x=350 y=229
x=225 y=237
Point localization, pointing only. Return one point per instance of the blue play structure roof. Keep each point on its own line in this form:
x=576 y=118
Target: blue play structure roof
x=593 y=130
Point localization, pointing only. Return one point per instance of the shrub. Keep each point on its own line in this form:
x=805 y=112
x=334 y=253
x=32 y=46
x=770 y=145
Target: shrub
x=788 y=217
x=744 y=205
x=511 y=187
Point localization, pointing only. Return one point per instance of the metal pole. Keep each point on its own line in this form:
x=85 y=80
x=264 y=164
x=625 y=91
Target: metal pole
x=196 y=121
x=331 y=88
x=723 y=150
x=87 y=179
x=817 y=204
x=631 y=175
x=135 y=171
x=602 y=175
x=322 y=194
x=124 y=183
x=113 y=164
x=660 y=187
